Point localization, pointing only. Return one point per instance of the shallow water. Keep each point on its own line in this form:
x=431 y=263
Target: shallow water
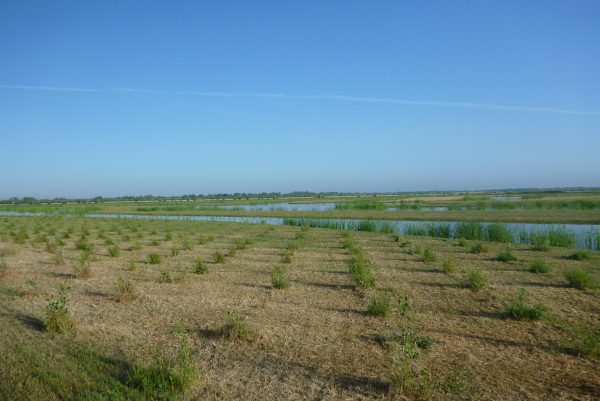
x=297 y=207
x=505 y=198
x=580 y=231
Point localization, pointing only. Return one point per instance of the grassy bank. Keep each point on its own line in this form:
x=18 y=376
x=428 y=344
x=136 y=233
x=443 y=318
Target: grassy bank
x=217 y=311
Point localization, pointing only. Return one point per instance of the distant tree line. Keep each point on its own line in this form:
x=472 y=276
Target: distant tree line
x=28 y=200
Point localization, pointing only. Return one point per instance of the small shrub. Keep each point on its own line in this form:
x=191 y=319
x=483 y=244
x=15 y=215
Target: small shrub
x=125 y=290
x=154 y=259
x=462 y=242
x=174 y=251
x=278 y=279
x=479 y=248
x=131 y=266
x=218 y=257
x=408 y=379
x=429 y=255
x=403 y=305
x=449 y=266
x=475 y=281
x=236 y=328
x=85 y=246
x=580 y=255
x=506 y=255
x=518 y=310
x=114 y=251
x=200 y=267
x=186 y=246
x=580 y=279
x=57 y=319
x=396 y=237
x=380 y=305
x=539 y=266
x=360 y=271
x=424 y=342
x=232 y=251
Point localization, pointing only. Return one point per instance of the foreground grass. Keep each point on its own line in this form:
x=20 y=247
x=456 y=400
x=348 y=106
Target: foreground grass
x=366 y=315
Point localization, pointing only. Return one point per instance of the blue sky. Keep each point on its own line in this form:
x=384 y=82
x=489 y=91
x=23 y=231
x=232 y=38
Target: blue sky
x=117 y=97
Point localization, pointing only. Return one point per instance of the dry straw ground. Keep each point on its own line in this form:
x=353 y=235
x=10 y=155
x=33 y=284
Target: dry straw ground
x=313 y=340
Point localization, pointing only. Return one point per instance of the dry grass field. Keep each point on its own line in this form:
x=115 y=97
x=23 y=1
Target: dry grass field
x=191 y=310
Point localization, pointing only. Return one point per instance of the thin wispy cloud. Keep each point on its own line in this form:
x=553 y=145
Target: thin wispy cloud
x=341 y=98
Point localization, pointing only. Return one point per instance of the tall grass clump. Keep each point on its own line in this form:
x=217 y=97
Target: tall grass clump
x=539 y=266
x=278 y=278
x=429 y=255
x=83 y=245
x=475 y=281
x=518 y=310
x=539 y=241
x=125 y=291
x=360 y=271
x=59 y=258
x=506 y=255
x=154 y=259
x=380 y=305
x=479 y=248
x=236 y=328
x=83 y=268
x=200 y=267
x=449 y=266
x=114 y=251
x=165 y=379
x=347 y=225
x=58 y=319
x=218 y=257
x=361 y=205
x=580 y=279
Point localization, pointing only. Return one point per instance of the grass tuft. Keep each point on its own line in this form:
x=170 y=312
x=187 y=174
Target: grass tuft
x=200 y=267
x=580 y=279
x=278 y=278
x=506 y=255
x=475 y=281
x=154 y=259
x=125 y=291
x=539 y=266
x=380 y=305
x=57 y=319
x=518 y=310
x=236 y=328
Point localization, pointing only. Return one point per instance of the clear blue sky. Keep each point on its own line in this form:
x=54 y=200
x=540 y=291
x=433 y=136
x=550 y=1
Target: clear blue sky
x=117 y=97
